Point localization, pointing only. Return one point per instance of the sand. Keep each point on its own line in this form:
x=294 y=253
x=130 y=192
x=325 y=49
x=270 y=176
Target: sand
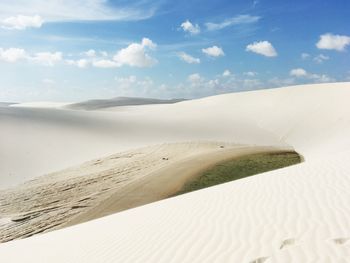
x=46 y=140
x=117 y=102
x=296 y=214
x=108 y=185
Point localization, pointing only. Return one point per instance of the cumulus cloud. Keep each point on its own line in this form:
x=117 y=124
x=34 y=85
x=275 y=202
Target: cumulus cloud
x=278 y=82
x=135 y=54
x=132 y=85
x=298 y=72
x=250 y=73
x=264 y=48
x=236 y=20
x=321 y=78
x=226 y=73
x=47 y=58
x=333 y=42
x=188 y=58
x=80 y=63
x=320 y=58
x=105 y=63
x=21 y=22
x=213 y=51
x=316 y=78
x=193 y=29
x=68 y=10
x=12 y=54
x=90 y=53
x=305 y=56
x=95 y=59
x=200 y=86
x=104 y=53
x=146 y=42
x=194 y=78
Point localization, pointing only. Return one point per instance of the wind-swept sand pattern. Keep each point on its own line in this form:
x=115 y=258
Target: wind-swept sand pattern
x=108 y=185
x=296 y=214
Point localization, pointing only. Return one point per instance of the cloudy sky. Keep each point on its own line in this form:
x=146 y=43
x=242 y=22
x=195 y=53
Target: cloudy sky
x=73 y=50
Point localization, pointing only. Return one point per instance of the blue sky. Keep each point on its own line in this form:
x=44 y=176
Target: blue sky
x=61 y=50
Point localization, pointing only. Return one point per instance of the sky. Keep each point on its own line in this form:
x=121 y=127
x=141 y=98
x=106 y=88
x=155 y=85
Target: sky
x=75 y=50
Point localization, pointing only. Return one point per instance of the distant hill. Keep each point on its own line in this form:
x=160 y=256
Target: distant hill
x=5 y=104
x=116 y=102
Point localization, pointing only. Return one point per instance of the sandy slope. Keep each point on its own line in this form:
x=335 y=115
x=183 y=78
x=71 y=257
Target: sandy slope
x=48 y=140
x=40 y=104
x=108 y=185
x=117 y=102
x=296 y=214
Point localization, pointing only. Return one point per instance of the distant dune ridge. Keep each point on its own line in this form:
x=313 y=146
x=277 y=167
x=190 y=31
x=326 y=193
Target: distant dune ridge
x=116 y=102
x=296 y=214
x=5 y=104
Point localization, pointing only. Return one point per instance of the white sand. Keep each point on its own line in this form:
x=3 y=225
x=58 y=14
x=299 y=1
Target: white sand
x=108 y=185
x=296 y=214
x=37 y=141
x=40 y=104
x=116 y=102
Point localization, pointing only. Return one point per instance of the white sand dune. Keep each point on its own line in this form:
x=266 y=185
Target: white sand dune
x=45 y=140
x=6 y=104
x=108 y=185
x=117 y=102
x=297 y=214
x=40 y=104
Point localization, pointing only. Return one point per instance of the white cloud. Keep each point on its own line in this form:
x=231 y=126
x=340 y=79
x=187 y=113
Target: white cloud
x=132 y=85
x=323 y=78
x=135 y=54
x=73 y=10
x=252 y=83
x=226 y=73
x=21 y=22
x=278 y=82
x=188 y=58
x=264 y=48
x=146 y=42
x=316 y=78
x=47 y=58
x=80 y=63
x=213 y=51
x=105 y=63
x=237 y=20
x=250 y=74
x=90 y=53
x=44 y=58
x=200 y=86
x=305 y=56
x=298 y=72
x=194 y=78
x=12 y=54
x=103 y=53
x=333 y=42
x=320 y=58
x=193 y=29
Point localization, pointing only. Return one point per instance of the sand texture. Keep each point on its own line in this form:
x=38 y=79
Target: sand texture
x=105 y=186
x=296 y=214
